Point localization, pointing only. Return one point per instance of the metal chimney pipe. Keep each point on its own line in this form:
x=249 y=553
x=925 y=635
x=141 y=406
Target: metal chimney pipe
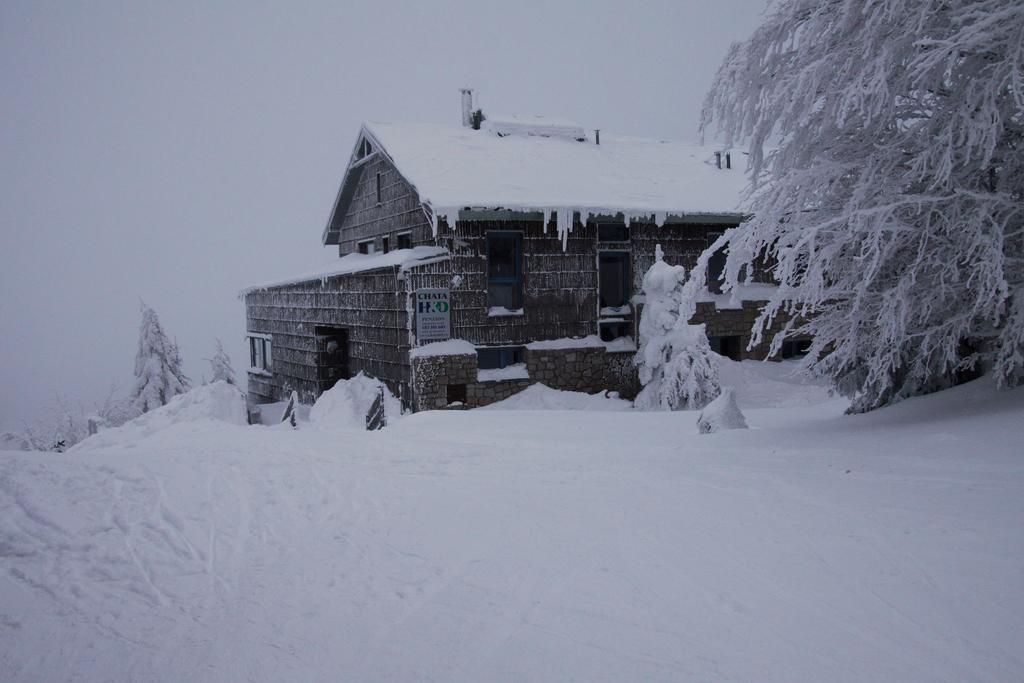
x=718 y=159
x=728 y=160
x=597 y=136
x=467 y=107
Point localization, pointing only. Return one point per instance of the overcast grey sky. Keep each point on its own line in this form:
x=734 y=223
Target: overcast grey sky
x=176 y=152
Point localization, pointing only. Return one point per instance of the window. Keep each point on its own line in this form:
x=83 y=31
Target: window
x=795 y=348
x=612 y=232
x=379 y=194
x=730 y=346
x=504 y=270
x=384 y=244
x=455 y=393
x=403 y=240
x=367 y=247
x=495 y=357
x=615 y=329
x=613 y=278
x=260 y=354
x=716 y=264
x=365 y=149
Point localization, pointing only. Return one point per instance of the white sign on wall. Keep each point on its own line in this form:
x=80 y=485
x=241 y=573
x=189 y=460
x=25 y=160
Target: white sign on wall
x=433 y=314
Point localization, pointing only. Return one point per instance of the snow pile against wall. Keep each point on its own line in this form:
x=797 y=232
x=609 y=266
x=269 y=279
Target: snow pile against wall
x=542 y=397
x=721 y=414
x=344 y=406
x=589 y=342
x=449 y=347
x=216 y=401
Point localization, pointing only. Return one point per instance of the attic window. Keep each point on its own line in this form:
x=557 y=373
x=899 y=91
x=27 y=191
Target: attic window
x=365 y=149
x=379 y=195
x=366 y=247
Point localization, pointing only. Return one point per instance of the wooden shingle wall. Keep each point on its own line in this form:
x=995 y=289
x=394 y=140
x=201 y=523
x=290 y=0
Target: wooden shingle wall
x=559 y=288
x=370 y=306
x=399 y=209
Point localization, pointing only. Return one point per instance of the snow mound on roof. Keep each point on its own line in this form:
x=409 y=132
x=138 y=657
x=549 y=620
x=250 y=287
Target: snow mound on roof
x=449 y=347
x=543 y=397
x=215 y=401
x=540 y=126
x=344 y=406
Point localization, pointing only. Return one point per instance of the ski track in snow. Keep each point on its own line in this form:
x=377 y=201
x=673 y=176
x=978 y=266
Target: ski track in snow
x=512 y=545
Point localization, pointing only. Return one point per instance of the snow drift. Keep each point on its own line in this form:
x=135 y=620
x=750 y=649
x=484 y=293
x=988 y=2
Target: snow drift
x=543 y=397
x=344 y=406
x=216 y=401
x=721 y=414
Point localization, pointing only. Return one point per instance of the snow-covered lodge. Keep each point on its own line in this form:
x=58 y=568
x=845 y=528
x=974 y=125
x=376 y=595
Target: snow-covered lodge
x=479 y=258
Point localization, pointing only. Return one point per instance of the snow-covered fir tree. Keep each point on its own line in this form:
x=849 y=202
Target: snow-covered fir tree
x=886 y=146
x=221 y=366
x=158 y=373
x=677 y=367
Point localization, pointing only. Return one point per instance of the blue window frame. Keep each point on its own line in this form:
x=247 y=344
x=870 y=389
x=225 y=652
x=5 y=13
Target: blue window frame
x=505 y=269
x=495 y=357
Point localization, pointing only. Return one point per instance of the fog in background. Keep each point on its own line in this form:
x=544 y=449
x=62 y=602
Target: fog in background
x=177 y=152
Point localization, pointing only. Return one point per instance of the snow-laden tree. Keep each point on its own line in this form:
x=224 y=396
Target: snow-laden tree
x=886 y=144
x=677 y=367
x=158 y=373
x=221 y=366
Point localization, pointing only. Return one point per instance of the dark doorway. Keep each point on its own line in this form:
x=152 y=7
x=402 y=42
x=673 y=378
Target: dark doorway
x=331 y=356
x=730 y=346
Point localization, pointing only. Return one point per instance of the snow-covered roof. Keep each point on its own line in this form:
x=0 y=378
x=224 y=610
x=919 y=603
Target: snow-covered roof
x=453 y=166
x=358 y=263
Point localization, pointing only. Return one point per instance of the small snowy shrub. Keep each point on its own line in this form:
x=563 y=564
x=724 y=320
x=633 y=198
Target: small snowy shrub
x=158 y=374
x=721 y=414
x=677 y=367
x=220 y=364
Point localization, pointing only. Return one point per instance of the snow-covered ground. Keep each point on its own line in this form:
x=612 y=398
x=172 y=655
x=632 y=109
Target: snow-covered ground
x=530 y=545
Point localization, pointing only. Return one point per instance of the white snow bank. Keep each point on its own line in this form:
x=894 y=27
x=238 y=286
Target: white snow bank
x=215 y=401
x=590 y=341
x=543 y=397
x=770 y=384
x=538 y=546
x=450 y=347
x=358 y=263
x=514 y=371
x=271 y=414
x=344 y=406
x=721 y=414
